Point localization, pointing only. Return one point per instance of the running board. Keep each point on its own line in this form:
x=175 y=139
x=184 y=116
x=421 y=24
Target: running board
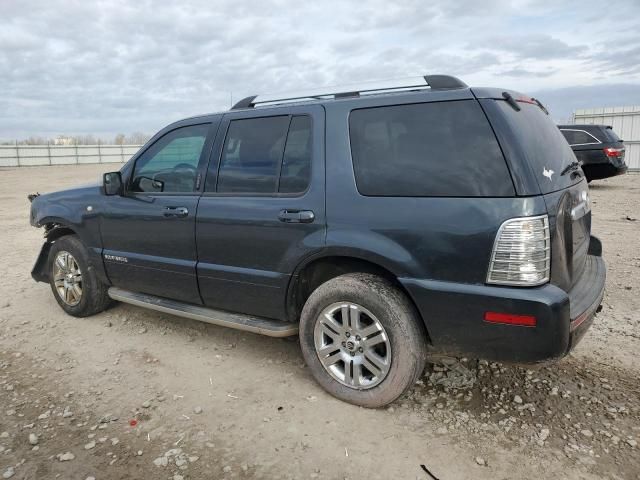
x=263 y=326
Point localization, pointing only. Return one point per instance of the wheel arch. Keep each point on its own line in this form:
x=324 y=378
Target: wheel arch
x=53 y=230
x=319 y=269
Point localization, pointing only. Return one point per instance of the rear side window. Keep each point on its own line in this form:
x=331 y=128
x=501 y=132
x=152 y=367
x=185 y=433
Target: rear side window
x=543 y=145
x=266 y=155
x=444 y=149
x=579 y=137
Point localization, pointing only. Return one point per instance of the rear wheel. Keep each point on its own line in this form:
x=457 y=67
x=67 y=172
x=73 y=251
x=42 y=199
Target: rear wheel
x=73 y=281
x=362 y=339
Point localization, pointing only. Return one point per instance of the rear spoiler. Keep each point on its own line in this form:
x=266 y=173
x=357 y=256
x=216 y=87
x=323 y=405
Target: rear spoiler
x=511 y=96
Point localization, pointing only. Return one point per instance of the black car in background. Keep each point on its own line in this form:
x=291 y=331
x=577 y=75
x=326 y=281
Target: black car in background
x=597 y=148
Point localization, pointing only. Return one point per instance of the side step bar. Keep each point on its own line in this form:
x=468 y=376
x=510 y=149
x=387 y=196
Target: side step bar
x=263 y=326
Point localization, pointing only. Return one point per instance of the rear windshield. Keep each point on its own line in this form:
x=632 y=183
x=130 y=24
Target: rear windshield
x=427 y=149
x=543 y=144
x=611 y=135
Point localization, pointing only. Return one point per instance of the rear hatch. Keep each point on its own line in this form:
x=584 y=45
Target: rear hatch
x=614 y=147
x=542 y=162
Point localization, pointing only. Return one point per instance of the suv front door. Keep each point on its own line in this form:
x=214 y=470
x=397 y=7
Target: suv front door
x=263 y=207
x=148 y=233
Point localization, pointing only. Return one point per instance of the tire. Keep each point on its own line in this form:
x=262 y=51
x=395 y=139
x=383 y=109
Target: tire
x=93 y=297
x=404 y=348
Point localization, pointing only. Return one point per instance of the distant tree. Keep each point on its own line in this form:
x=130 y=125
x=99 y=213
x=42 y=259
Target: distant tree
x=137 y=138
x=119 y=140
x=34 y=140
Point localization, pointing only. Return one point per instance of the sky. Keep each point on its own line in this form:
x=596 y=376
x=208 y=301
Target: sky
x=107 y=66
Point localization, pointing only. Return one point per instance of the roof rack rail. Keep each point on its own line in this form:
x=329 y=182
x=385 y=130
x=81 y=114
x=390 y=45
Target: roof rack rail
x=434 y=82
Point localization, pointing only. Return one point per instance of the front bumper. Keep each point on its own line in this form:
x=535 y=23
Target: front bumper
x=454 y=316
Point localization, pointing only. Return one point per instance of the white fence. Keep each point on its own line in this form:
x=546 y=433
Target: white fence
x=31 y=155
x=625 y=122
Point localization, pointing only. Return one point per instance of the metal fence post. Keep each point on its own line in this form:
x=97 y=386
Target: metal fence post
x=49 y=150
x=121 y=153
x=77 y=158
x=99 y=152
x=17 y=153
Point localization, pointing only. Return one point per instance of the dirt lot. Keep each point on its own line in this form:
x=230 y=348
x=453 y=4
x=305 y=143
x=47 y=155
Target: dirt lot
x=136 y=394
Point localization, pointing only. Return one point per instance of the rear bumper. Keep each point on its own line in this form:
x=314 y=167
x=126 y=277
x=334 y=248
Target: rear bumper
x=596 y=171
x=454 y=316
x=585 y=298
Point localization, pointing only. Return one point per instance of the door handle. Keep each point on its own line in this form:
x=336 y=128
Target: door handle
x=296 y=216
x=178 y=212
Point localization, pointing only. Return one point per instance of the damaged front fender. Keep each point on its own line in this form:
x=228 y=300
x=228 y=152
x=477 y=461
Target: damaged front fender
x=40 y=272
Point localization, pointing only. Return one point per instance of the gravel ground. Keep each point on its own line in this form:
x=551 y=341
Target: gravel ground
x=136 y=394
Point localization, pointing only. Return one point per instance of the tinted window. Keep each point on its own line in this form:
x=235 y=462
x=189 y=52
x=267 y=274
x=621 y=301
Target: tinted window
x=266 y=155
x=296 y=163
x=428 y=149
x=171 y=163
x=611 y=135
x=578 y=137
x=542 y=143
x=569 y=135
x=252 y=154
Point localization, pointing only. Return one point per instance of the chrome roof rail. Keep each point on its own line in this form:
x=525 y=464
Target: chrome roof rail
x=433 y=82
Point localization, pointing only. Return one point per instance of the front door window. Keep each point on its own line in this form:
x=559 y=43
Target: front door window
x=171 y=164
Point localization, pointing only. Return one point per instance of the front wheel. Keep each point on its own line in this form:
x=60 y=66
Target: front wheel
x=73 y=280
x=362 y=339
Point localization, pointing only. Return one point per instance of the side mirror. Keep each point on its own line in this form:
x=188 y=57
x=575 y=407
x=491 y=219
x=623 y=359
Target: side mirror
x=112 y=183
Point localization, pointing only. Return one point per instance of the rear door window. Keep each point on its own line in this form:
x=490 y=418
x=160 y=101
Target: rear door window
x=543 y=145
x=443 y=149
x=252 y=154
x=266 y=155
x=296 y=162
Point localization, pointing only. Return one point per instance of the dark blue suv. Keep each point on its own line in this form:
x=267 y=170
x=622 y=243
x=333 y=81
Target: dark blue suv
x=384 y=223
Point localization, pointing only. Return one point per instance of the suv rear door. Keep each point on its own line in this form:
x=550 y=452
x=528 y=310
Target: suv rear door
x=539 y=155
x=263 y=207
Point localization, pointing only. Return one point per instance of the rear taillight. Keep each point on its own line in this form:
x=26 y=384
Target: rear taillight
x=521 y=253
x=613 y=152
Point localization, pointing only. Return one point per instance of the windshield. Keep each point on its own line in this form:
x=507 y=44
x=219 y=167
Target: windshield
x=543 y=144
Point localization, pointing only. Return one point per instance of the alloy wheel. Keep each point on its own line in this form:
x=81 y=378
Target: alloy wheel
x=67 y=278
x=352 y=345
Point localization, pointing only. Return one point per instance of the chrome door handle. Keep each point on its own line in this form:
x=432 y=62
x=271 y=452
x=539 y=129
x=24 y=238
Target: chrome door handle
x=178 y=212
x=296 y=216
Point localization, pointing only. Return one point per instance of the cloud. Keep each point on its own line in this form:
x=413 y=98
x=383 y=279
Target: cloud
x=535 y=47
x=119 y=66
x=523 y=73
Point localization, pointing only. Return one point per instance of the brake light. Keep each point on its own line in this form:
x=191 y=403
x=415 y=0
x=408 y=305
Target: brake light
x=510 y=319
x=613 y=152
x=521 y=253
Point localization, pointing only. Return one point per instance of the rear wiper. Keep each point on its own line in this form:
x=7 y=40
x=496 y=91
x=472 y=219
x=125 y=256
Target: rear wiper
x=570 y=168
x=511 y=101
x=542 y=107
